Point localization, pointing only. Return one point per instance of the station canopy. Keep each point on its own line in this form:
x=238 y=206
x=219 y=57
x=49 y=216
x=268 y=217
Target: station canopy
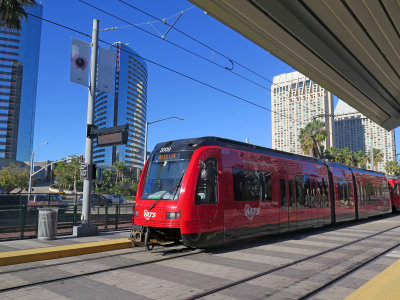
x=350 y=47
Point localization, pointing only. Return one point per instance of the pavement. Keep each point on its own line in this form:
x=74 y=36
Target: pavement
x=30 y=250
x=378 y=280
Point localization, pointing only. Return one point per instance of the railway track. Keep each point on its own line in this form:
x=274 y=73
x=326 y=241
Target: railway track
x=314 y=291
x=163 y=254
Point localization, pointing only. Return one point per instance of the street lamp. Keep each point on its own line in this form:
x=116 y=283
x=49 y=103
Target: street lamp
x=31 y=170
x=145 y=135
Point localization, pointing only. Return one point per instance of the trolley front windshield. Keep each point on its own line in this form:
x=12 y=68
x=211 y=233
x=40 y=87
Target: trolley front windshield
x=165 y=176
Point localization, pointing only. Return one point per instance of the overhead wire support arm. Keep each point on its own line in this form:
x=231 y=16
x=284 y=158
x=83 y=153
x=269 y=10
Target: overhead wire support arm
x=180 y=15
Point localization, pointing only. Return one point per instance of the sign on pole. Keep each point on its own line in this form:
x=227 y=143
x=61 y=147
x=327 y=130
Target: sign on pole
x=79 y=71
x=105 y=71
x=84 y=171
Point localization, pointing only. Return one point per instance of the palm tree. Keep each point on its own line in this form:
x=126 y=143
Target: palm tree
x=312 y=136
x=361 y=159
x=331 y=153
x=378 y=157
x=391 y=167
x=120 y=168
x=345 y=156
x=12 y=11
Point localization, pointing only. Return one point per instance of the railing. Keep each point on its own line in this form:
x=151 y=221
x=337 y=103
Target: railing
x=19 y=217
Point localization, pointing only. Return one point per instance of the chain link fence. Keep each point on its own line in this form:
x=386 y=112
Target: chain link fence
x=19 y=215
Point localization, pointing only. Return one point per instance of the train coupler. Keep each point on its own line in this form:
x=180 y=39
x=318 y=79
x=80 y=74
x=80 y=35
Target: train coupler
x=137 y=235
x=140 y=236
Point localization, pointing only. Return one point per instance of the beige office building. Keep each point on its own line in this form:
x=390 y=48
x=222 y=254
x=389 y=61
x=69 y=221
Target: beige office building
x=295 y=101
x=357 y=132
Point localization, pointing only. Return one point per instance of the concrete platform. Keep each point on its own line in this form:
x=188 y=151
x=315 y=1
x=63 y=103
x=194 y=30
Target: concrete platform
x=23 y=251
x=383 y=286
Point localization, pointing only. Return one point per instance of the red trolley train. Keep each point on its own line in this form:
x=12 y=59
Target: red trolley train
x=394 y=187
x=207 y=191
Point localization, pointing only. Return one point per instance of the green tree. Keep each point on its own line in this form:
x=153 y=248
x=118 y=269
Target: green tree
x=105 y=185
x=74 y=171
x=392 y=167
x=378 y=157
x=120 y=168
x=68 y=173
x=361 y=159
x=331 y=153
x=62 y=173
x=345 y=156
x=12 y=177
x=312 y=136
x=13 y=11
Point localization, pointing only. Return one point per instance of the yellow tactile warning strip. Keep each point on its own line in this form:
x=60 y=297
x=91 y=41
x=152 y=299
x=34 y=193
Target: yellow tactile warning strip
x=30 y=255
x=385 y=285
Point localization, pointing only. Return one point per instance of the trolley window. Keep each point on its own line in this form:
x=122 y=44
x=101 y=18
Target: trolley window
x=291 y=194
x=283 y=194
x=303 y=192
x=325 y=192
x=343 y=191
x=207 y=183
x=251 y=185
x=314 y=194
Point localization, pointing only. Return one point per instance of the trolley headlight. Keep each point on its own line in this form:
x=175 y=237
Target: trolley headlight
x=136 y=213
x=173 y=215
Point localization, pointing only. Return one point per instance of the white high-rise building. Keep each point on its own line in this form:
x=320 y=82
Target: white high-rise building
x=295 y=101
x=356 y=132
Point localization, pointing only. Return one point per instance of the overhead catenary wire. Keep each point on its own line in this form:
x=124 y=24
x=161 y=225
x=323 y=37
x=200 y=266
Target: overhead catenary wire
x=191 y=52
x=179 y=73
x=197 y=41
x=149 y=23
x=174 y=44
x=167 y=68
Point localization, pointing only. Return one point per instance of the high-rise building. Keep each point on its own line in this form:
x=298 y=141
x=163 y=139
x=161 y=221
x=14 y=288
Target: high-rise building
x=356 y=132
x=126 y=105
x=295 y=101
x=19 y=61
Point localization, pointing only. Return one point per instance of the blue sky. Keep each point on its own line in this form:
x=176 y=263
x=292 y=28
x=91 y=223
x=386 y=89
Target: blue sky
x=61 y=106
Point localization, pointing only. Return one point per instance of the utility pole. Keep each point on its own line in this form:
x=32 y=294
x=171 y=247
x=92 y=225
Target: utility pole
x=87 y=229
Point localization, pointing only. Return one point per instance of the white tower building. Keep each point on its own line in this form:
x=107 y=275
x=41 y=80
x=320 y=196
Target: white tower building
x=356 y=132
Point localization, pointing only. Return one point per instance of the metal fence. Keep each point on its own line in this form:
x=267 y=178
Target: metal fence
x=19 y=218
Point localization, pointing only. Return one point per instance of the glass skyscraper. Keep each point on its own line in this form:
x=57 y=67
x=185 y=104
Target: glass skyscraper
x=19 y=61
x=126 y=105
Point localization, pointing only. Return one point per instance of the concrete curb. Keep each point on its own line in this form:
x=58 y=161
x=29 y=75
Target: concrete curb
x=30 y=255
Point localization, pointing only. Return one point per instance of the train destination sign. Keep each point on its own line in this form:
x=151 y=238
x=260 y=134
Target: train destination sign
x=168 y=156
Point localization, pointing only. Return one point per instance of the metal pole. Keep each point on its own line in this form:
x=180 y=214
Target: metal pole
x=31 y=172
x=145 y=135
x=87 y=183
x=145 y=144
x=30 y=175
